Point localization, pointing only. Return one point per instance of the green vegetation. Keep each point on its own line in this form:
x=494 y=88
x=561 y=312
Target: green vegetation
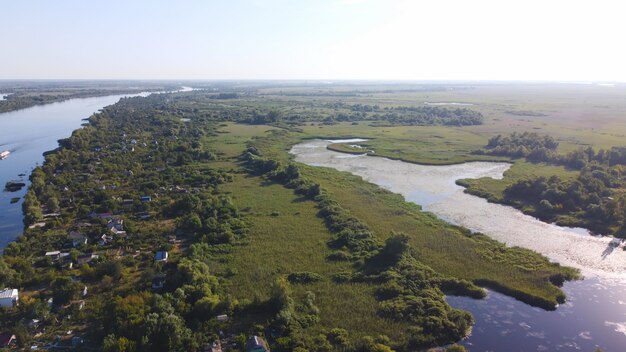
x=310 y=258
x=591 y=197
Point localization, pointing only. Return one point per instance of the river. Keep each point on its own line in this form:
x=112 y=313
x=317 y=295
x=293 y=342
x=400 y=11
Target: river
x=595 y=313
x=27 y=134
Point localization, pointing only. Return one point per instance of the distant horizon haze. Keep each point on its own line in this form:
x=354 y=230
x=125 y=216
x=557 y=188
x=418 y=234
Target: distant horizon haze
x=335 y=40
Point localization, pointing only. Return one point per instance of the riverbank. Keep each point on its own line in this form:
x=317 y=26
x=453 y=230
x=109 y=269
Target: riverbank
x=435 y=189
x=29 y=94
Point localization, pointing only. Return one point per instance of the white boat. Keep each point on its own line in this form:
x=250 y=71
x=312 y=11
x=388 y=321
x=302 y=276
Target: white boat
x=4 y=154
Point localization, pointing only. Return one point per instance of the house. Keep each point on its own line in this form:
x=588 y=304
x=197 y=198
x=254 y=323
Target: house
x=101 y=215
x=75 y=235
x=55 y=255
x=213 y=347
x=7 y=340
x=104 y=240
x=116 y=223
x=145 y=199
x=256 y=344
x=86 y=258
x=143 y=215
x=161 y=256
x=66 y=343
x=117 y=232
x=77 y=238
x=158 y=282
x=9 y=297
x=33 y=324
x=128 y=202
x=222 y=318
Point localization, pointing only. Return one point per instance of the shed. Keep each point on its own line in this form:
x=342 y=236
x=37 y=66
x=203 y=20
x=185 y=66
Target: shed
x=86 y=258
x=9 y=297
x=53 y=254
x=222 y=318
x=257 y=344
x=158 y=282
x=161 y=256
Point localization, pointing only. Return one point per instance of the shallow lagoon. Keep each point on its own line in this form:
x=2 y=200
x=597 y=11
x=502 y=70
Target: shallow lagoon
x=595 y=313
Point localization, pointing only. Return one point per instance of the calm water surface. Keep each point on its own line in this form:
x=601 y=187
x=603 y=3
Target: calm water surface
x=595 y=313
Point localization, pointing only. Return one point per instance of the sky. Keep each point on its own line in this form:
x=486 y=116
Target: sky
x=552 y=40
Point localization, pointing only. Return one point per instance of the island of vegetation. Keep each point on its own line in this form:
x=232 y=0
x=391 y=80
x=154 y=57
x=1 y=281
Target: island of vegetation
x=593 y=199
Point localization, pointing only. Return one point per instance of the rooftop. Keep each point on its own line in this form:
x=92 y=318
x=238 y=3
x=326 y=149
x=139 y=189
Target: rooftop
x=8 y=293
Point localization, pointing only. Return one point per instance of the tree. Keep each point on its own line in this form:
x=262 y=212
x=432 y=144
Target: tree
x=53 y=205
x=64 y=289
x=7 y=274
x=112 y=343
x=190 y=223
x=395 y=246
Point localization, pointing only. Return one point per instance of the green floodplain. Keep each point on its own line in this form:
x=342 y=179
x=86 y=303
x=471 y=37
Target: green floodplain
x=310 y=258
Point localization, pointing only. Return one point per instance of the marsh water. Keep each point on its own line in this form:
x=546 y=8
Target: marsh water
x=27 y=134
x=595 y=313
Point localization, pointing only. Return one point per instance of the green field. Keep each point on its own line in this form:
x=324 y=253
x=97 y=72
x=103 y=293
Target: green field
x=305 y=256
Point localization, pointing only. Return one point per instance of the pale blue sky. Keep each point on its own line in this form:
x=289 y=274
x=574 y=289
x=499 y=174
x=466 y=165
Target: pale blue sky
x=327 y=39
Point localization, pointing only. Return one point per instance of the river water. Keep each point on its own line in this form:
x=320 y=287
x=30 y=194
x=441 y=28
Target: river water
x=595 y=313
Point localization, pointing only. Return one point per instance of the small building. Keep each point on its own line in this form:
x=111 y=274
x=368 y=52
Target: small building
x=55 y=255
x=222 y=318
x=116 y=223
x=9 y=297
x=161 y=256
x=68 y=342
x=118 y=233
x=158 y=282
x=77 y=238
x=213 y=347
x=145 y=199
x=7 y=340
x=105 y=240
x=257 y=344
x=33 y=324
x=75 y=235
x=86 y=258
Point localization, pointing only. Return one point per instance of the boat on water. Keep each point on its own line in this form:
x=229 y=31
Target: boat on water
x=4 y=154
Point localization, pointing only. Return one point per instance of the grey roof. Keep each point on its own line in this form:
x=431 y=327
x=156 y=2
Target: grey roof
x=8 y=293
